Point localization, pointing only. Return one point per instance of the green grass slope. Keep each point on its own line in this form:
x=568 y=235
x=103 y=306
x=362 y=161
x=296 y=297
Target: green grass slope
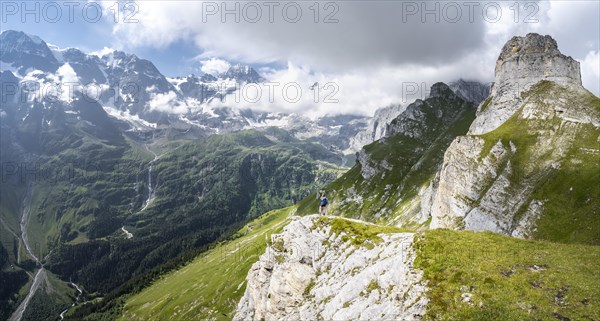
x=210 y=286
x=487 y=276
x=411 y=162
x=203 y=191
x=559 y=161
x=470 y=275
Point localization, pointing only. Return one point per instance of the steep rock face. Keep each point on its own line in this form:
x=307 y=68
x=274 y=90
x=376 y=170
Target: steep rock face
x=376 y=128
x=466 y=175
x=530 y=164
x=311 y=273
x=394 y=177
x=26 y=51
x=416 y=120
x=523 y=62
x=526 y=60
x=472 y=91
x=243 y=74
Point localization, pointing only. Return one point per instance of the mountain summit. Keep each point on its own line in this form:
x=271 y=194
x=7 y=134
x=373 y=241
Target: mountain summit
x=527 y=60
x=26 y=51
x=529 y=164
x=523 y=62
x=243 y=74
x=526 y=167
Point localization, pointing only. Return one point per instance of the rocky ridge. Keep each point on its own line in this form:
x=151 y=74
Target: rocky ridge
x=311 y=272
x=376 y=127
x=537 y=123
x=523 y=62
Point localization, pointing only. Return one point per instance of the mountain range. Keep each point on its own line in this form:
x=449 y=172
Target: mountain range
x=145 y=102
x=459 y=212
x=147 y=202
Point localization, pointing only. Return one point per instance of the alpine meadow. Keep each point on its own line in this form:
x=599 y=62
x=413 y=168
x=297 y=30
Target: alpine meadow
x=295 y=160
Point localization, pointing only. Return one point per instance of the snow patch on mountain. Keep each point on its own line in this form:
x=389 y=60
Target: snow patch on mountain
x=57 y=52
x=102 y=52
x=135 y=121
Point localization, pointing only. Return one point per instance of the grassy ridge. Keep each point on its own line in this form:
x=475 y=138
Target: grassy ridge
x=392 y=194
x=358 y=233
x=211 y=285
x=470 y=275
x=560 y=161
x=507 y=278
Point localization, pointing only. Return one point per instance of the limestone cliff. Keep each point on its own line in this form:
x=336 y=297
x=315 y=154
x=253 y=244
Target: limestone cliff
x=523 y=62
x=315 y=270
x=376 y=128
x=530 y=160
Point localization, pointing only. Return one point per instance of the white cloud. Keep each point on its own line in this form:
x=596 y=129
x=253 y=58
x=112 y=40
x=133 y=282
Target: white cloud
x=151 y=89
x=373 y=53
x=67 y=74
x=61 y=85
x=214 y=66
x=168 y=103
x=354 y=92
x=367 y=33
x=575 y=26
x=102 y=52
x=590 y=72
x=68 y=81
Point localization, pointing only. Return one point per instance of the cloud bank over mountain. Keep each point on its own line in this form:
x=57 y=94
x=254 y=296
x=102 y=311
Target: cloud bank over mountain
x=375 y=52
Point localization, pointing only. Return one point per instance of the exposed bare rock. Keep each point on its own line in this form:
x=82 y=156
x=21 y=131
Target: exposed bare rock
x=472 y=91
x=523 y=62
x=311 y=274
x=524 y=133
x=376 y=127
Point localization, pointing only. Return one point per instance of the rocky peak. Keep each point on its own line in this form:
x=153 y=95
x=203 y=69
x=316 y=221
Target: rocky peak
x=73 y=54
x=472 y=91
x=440 y=90
x=442 y=105
x=208 y=78
x=524 y=61
x=506 y=174
x=243 y=73
x=17 y=41
x=376 y=127
x=25 y=51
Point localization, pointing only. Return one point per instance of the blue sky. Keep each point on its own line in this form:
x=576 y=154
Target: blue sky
x=172 y=60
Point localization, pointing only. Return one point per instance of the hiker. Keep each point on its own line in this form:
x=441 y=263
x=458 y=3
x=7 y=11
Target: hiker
x=323 y=205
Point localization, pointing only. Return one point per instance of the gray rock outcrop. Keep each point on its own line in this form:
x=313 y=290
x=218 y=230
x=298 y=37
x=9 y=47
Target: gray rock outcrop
x=472 y=91
x=523 y=62
x=488 y=181
x=311 y=274
x=376 y=127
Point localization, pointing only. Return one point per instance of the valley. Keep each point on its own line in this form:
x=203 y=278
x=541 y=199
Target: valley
x=40 y=274
x=474 y=202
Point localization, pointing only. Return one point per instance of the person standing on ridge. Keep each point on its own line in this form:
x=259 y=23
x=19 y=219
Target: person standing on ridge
x=323 y=205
